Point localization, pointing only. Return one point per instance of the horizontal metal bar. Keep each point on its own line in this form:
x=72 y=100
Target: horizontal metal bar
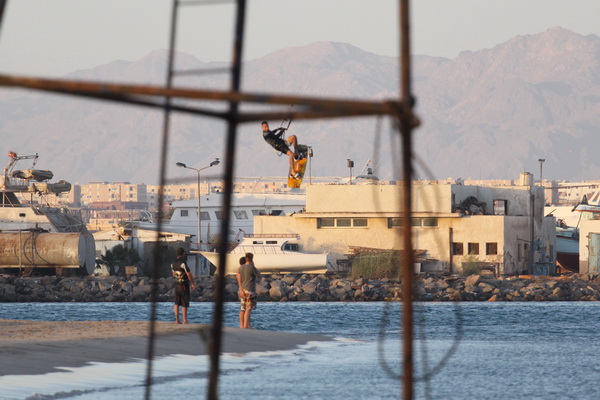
x=203 y=2
x=317 y=107
x=201 y=71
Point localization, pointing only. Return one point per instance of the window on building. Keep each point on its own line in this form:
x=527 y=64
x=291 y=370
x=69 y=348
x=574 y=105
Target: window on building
x=343 y=222
x=500 y=207
x=416 y=222
x=360 y=222
x=395 y=222
x=276 y=212
x=491 y=248
x=258 y=212
x=458 y=249
x=219 y=214
x=473 y=249
x=241 y=214
x=204 y=216
x=183 y=213
x=520 y=252
x=430 y=222
x=325 y=222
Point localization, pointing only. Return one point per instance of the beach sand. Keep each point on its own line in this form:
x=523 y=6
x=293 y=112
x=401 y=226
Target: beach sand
x=39 y=347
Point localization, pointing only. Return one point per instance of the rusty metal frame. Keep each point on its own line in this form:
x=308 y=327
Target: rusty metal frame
x=401 y=111
x=153 y=96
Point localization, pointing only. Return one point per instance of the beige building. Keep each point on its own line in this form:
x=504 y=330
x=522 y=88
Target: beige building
x=94 y=192
x=503 y=228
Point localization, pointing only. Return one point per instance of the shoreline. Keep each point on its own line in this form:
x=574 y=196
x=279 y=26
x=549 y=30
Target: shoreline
x=40 y=347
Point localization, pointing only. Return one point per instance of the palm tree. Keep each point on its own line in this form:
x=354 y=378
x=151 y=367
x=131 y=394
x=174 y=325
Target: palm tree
x=119 y=256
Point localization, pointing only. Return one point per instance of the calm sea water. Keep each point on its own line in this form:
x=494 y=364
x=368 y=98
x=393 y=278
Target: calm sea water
x=467 y=351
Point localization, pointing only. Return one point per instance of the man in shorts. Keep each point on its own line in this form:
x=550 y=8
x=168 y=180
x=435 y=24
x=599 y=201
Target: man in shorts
x=183 y=279
x=246 y=278
x=281 y=145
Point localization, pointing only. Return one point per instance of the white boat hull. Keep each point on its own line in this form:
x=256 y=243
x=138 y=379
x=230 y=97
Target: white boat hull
x=274 y=263
x=567 y=245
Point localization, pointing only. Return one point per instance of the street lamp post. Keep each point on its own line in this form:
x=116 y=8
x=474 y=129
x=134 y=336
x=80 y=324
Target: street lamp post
x=198 y=170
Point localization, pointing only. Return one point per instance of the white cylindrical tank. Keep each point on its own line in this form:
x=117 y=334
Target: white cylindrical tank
x=526 y=179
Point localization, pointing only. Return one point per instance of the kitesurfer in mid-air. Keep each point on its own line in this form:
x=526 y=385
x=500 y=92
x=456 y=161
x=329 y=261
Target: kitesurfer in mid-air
x=282 y=145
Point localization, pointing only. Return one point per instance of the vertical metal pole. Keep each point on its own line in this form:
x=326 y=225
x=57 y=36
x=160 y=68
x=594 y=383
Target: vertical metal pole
x=199 y=220
x=229 y=163
x=407 y=267
x=161 y=197
x=3 y=4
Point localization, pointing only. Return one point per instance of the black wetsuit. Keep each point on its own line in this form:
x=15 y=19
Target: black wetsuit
x=182 y=282
x=275 y=140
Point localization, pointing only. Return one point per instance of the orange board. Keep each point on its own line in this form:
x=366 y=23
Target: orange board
x=300 y=167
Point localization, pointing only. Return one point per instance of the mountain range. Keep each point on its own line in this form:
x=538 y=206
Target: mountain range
x=487 y=114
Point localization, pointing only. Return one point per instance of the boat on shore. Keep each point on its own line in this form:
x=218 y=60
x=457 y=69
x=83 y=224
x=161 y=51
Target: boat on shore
x=272 y=254
x=38 y=235
x=567 y=233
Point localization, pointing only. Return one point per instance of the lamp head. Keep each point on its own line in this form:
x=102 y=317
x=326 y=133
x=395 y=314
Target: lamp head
x=180 y=164
x=216 y=162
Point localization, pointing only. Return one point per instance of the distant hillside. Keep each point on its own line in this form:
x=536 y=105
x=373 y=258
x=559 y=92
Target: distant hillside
x=486 y=114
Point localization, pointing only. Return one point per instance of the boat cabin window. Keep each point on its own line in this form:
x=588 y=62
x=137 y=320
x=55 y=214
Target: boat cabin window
x=277 y=212
x=257 y=242
x=241 y=214
x=204 y=216
x=22 y=215
x=183 y=213
x=219 y=214
x=271 y=241
x=291 y=247
x=259 y=212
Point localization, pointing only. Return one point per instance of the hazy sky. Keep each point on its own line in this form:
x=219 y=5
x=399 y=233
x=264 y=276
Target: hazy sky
x=54 y=37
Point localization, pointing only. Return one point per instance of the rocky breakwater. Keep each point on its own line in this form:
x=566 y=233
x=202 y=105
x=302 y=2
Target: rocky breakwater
x=92 y=289
x=514 y=288
x=306 y=287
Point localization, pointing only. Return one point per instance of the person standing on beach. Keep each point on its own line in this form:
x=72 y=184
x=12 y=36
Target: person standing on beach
x=183 y=280
x=246 y=278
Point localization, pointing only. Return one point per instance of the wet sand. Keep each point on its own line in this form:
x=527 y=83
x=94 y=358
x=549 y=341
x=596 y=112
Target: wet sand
x=39 y=347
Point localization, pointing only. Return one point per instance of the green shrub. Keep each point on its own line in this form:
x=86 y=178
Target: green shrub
x=381 y=265
x=471 y=266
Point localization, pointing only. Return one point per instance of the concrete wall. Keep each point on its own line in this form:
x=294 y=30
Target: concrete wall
x=586 y=227
x=376 y=198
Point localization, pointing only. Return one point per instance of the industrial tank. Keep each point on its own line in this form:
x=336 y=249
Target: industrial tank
x=43 y=249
